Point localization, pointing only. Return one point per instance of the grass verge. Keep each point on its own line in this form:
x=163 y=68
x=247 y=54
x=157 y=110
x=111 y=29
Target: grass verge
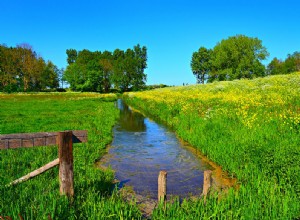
x=39 y=197
x=249 y=127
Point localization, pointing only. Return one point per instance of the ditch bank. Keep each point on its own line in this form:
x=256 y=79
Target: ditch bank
x=141 y=148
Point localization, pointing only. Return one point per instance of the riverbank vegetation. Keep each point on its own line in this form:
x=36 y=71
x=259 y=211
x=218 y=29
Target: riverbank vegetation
x=39 y=197
x=249 y=127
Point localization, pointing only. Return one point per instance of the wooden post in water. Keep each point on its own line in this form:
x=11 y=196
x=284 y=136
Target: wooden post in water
x=65 y=153
x=206 y=182
x=162 y=186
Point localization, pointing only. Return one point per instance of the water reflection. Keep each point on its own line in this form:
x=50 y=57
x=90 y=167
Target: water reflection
x=141 y=148
x=129 y=120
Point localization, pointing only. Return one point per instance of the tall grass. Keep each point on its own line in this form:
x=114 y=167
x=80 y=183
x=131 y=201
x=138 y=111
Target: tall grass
x=249 y=127
x=39 y=197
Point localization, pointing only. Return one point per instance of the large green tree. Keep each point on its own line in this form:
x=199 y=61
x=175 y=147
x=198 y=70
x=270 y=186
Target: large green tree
x=233 y=58
x=238 y=57
x=129 y=67
x=201 y=64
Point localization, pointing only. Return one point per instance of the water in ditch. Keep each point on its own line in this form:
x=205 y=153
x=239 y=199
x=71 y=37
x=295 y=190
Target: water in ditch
x=141 y=148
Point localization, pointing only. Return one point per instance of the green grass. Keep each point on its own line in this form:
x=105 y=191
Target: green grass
x=249 y=127
x=39 y=197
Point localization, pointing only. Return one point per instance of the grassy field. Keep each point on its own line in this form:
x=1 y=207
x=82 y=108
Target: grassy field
x=249 y=127
x=39 y=197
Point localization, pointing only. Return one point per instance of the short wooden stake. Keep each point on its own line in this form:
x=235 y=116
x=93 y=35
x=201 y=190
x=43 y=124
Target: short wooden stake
x=65 y=153
x=162 y=186
x=206 y=182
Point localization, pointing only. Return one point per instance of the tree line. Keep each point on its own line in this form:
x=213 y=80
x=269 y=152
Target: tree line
x=22 y=70
x=289 y=65
x=238 y=57
x=103 y=71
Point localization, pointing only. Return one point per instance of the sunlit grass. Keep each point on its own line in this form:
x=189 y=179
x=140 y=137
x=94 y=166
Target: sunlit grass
x=249 y=127
x=39 y=197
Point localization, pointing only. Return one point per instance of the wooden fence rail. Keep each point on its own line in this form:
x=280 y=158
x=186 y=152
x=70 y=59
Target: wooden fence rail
x=64 y=140
x=8 y=141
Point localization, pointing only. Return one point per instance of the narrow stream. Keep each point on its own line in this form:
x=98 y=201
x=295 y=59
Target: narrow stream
x=141 y=148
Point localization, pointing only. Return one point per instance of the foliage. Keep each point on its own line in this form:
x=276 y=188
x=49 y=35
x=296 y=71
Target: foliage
x=201 y=64
x=249 y=127
x=39 y=197
x=289 y=65
x=234 y=58
x=72 y=56
x=21 y=69
x=101 y=71
x=149 y=87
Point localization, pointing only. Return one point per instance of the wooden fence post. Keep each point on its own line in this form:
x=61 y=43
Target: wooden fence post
x=206 y=182
x=65 y=153
x=162 y=186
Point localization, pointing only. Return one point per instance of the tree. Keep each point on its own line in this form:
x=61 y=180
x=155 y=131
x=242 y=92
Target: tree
x=100 y=71
x=289 y=65
x=106 y=63
x=72 y=56
x=8 y=73
x=118 y=69
x=139 y=78
x=50 y=76
x=275 y=67
x=292 y=63
x=72 y=76
x=297 y=60
x=21 y=69
x=238 y=57
x=129 y=67
x=26 y=57
x=201 y=64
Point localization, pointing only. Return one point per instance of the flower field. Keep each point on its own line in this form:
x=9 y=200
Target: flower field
x=249 y=127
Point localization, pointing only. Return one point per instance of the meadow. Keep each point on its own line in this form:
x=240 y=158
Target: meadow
x=38 y=198
x=249 y=127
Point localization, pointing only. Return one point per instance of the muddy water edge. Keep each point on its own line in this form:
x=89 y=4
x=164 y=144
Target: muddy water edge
x=141 y=148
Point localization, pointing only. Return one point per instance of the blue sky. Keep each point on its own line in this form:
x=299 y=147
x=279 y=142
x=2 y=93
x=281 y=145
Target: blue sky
x=171 y=30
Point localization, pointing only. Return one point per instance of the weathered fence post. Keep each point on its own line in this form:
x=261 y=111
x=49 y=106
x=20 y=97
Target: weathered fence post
x=162 y=186
x=65 y=153
x=206 y=182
